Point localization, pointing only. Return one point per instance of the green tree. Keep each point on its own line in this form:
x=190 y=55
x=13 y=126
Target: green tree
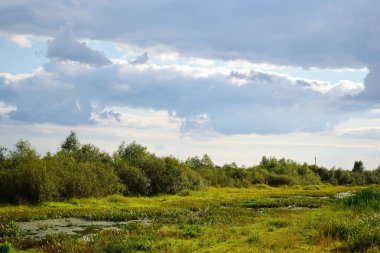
x=358 y=167
x=91 y=153
x=135 y=180
x=71 y=144
x=4 y=158
x=133 y=153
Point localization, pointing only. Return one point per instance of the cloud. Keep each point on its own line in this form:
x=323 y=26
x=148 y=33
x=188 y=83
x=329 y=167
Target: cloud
x=312 y=33
x=371 y=92
x=141 y=59
x=21 y=40
x=71 y=94
x=6 y=108
x=322 y=34
x=65 y=46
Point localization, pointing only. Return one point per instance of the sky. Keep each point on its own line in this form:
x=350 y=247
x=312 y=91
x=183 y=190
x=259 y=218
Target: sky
x=234 y=79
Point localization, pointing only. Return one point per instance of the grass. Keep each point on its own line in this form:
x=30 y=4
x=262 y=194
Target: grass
x=255 y=219
x=365 y=200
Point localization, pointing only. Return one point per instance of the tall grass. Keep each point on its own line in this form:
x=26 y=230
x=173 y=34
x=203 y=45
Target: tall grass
x=357 y=227
x=365 y=200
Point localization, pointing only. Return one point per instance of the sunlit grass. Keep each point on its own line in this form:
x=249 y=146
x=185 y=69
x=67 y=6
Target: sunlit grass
x=210 y=220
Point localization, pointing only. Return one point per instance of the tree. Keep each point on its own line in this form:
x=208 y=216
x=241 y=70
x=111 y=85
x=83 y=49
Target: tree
x=133 y=153
x=71 y=144
x=358 y=167
x=23 y=152
x=91 y=153
x=4 y=158
x=134 y=179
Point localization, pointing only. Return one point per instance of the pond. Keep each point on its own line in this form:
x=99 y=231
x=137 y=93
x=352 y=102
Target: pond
x=70 y=226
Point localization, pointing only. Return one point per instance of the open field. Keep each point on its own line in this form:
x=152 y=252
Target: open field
x=255 y=219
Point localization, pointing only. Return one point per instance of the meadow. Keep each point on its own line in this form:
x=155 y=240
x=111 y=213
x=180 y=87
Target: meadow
x=81 y=199
x=260 y=218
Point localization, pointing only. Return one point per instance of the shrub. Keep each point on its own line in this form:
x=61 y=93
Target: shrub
x=277 y=180
x=364 y=200
x=134 y=179
x=9 y=229
x=278 y=223
x=6 y=248
x=358 y=234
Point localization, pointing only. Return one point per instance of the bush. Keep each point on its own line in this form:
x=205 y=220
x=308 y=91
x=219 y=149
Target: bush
x=364 y=200
x=85 y=180
x=357 y=234
x=6 y=248
x=277 y=180
x=134 y=179
x=9 y=229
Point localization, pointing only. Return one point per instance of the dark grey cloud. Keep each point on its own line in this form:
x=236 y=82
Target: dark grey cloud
x=65 y=46
x=141 y=59
x=372 y=83
x=306 y=33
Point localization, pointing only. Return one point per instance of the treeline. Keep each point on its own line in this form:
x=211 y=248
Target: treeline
x=83 y=170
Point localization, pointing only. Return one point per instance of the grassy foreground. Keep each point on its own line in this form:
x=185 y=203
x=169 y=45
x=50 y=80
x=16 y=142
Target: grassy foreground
x=255 y=219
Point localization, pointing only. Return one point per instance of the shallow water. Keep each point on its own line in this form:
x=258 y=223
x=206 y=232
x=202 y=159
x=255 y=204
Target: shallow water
x=342 y=195
x=71 y=226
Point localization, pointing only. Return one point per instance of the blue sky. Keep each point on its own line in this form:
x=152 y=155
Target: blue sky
x=237 y=80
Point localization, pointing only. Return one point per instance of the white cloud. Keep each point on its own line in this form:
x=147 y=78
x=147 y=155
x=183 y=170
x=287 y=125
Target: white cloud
x=267 y=103
x=22 y=40
x=346 y=87
x=6 y=108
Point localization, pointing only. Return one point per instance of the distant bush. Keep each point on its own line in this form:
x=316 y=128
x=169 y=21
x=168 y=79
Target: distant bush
x=83 y=170
x=184 y=193
x=277 y=180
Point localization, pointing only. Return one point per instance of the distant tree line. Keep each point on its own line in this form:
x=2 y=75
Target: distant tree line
x=83 y=170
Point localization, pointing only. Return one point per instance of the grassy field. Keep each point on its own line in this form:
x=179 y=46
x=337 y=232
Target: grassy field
x=255 y=219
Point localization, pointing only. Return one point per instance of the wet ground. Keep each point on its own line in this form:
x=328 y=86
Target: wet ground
x=71 y=226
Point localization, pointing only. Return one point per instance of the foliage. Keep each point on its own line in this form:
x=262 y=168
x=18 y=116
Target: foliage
x=71 y=143
x=277 y=180
x=358 y=167
x=83 y=170
x=135 y=180
x=364 y=200
x=6 y=248
x=8 y=228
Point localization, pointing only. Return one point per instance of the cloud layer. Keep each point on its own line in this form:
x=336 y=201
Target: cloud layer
x=69 y=93
x=318 y=33
x=65 y=46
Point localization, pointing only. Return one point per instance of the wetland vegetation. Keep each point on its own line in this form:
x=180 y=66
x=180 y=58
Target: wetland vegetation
x=81 y=199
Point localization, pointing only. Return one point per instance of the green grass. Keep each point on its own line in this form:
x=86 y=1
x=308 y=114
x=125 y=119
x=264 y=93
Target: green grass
x=255 y=219
x=364 y=200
